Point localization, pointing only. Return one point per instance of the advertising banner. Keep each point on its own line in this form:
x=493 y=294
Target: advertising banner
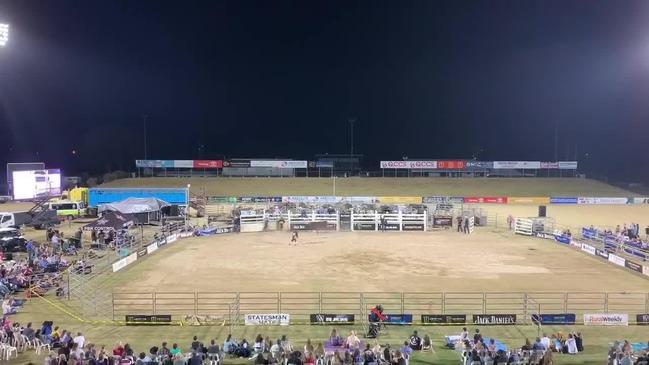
x=589 y=233
x=141 y=252
x=442 y=221
x=528 y=200
x=563 y=200
x=336 y=319
x=479 y=165
x=642 y=319
x=633 y=266
x=412 y=226
x=486 y=200
x=118 y=265
x=450 y=165
x=550 y=319
x=640 y=200
x=145 y=319
x=270 y=319
x=588 y=248
x=328 y=164
x=607 y=201
x=359 y=199
x=207 y=164
x=408 y=164
x=236 y=163
x=364 y=226
x=397 y=319
x=259 y=199
x=442 y=199
x=171 y=238
x=36 y=184
x=617 y=260
x=313 y=226
x=549 y=165
x=443 y=319
x=494 y=319
x=399 y=199
x=312 y=199
x=568 y=165
x=152 y=248
x=601 y=253
x=606 y=319
x=517 y=164
x=280 y=164
x=183 y=164
x=645 y=270
x=155 y=164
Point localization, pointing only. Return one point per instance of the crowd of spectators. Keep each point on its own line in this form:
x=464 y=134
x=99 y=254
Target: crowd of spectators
x=625 y=353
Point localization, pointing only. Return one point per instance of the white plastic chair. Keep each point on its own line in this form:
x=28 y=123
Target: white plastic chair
x=7 y=350
x=40 y=345
x=214 y=359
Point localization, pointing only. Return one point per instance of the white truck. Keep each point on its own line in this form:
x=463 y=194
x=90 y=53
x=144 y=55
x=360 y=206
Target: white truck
x=14 y=219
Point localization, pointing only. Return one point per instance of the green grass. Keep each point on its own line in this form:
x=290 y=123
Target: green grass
x=141 y=338
x=383 y=186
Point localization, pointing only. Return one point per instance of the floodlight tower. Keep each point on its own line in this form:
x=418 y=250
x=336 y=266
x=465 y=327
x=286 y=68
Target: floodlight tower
x=4 y=34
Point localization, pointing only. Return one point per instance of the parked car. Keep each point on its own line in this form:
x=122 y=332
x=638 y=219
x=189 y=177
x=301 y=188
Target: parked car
x=11 y=240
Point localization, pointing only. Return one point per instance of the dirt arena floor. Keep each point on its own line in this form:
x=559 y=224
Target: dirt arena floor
x=375 y=261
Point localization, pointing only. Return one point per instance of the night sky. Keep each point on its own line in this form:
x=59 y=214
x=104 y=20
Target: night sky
x=424 y=79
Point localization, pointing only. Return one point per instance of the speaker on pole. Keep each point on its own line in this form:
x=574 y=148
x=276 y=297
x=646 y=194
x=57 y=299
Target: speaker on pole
x=542 y=210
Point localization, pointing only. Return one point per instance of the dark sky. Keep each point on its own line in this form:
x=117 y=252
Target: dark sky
x=436 y=79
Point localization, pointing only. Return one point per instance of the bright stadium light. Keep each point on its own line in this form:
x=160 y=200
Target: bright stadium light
x=4 y=34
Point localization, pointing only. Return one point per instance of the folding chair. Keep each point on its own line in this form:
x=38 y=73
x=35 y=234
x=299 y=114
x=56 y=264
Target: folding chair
x=214 y=359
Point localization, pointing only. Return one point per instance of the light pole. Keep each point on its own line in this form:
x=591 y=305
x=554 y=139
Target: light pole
x=334 y=177
x=144 y=118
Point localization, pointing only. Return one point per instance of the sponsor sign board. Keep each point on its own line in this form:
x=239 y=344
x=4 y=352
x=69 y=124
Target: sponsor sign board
x=152 y=248
x=171 y=238
x=141 y=252
x=549 y=319
x=644 y=200
x=313 y=226
x=364 y=226
x=642 y=319
x=589 y=233
x=236 y=163
x=145 y=319
x=280 y=164
x=528 y=200
x=119 y=264
x=549 y=165
x=336 y=319
x=184 y=164
x=36 y=184
x=450 y=165
x=568 y=165
x=442 y=221
x=633 y=266
x=611 y=201
x=517 y=164
x=479 y=164
x=397 y=319
x=494 y=319
x=207 y=164
x=324 y=164
x=645 y=270
x=601 y=253
x=442 y=199
x=267 y=319
x=259 y=199
x=221 y=199
x=617 y=260
x=443 y=319
x=563 y=200
x=562 y=239
x=408 y=164
x=389 y=227
x=606 y=319
x=131 y=258
x=312 y=199
x=412 y=226
x=486 y=200
x=588 y=248
x=399 y=199
x=155 y=164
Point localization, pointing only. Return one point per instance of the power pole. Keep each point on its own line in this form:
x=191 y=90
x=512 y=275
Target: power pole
x=556 y=141
x=144 y=118
x=351 y=148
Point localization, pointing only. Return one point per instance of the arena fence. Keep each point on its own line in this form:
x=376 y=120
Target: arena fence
x=300 y=305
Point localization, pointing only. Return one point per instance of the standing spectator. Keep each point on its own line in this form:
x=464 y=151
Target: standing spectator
x=459 y=223
x=466 y=225
x=580 y=342
x=571 y=344
x=510 y=222
x=79 y=340
x=477 y=337
x=405 y=350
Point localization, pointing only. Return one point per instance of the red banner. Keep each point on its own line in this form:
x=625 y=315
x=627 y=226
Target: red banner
x=450 y=165
x=208 y=164
x=486 y=200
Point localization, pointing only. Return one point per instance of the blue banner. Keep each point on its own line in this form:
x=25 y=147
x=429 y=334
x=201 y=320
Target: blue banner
x=324 y=164
x=563 y=200
x=97 y=196
x=159 y=164
x=397 y=319
x=562 y=318
x=562 y=239
x=589 y=233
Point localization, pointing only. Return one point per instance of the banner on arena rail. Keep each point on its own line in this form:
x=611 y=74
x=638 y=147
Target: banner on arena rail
x=528 y=200
x=155 y=164
x=479 y=165
x=259 y=199
x=398 y=199
x=532 y=165
x=328 y=164
x=633 y=266
x=617 y=260
x=561 y=318
x=589 y=249
x=312 y=199
x=549 y=165
x=313 y=226
x=152 y=248
x=145 y=319
x=601 y=253
x=442 y=199
x=443 y=319
x=563 y=200
x=397 y=319
x=236 y=163
x=494 y=319
x=451 y=165
x=589 y=233
x=568 y=165
x=645 y=270
x=642 y=319
x=643 y=200
x=221 y=199
x=207 y=164
x=408 y=164
x=141 y=253
x=412 y=226
x=602 y=201
x=606 y=319
x=183 y=164
x=336 y=319
x=267 y=319
x=486 y=200
x=280 y=164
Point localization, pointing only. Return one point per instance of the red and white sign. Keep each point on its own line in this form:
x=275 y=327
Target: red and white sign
x=606 y=319
x=486 y=200
x=517 y=164
x=408 y=164
x=207 y=164
x=549 y=165
x=450 y=165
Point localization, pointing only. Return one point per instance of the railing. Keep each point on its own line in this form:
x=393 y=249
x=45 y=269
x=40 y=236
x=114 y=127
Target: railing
x=301 y=304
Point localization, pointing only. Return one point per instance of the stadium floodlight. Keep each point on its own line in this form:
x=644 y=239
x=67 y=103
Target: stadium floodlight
x=4 y=34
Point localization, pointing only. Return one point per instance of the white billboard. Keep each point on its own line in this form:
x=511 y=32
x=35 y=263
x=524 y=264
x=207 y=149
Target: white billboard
x=285 y=164
x=517 y=165
x=36 y=184
x=409 y=164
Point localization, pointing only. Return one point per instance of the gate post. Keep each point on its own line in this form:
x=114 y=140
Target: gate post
x=565 y=302
x=606 y=302
x=279 y=302
x=319 y=302
x=484 y=303
x=444 y=303
x=402 y=303
x=155 y=297
x=525 y=303
x=195 y=303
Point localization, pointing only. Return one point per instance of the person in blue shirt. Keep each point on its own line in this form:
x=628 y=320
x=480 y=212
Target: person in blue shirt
x=538 y=345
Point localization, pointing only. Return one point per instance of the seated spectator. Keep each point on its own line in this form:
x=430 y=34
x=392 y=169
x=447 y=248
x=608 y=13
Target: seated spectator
x=319 y=351
x=527 y=346
x=477 y=337
x=415 y=341
x=398 y=359
x=405 y=350
x=308 y=358
x=260 y=359
x=580 y=342
x=501 y=357
x=164 y=351
x=538 y=345
x=427 y=344
x=195 y=359
x=352 y=342
x=196 y=345
x=547 y=358
x=29 y=331
x=308 y=347
x=475 y=357
x=335 y=339
x=464 y=335
x=491 y=348
x=368 y=355
x=572 y=345
x=514 y=359
x=228 y=345
x=175 y=350
x=545 y=340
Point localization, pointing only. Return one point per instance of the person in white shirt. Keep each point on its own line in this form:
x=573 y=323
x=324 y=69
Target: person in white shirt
x=79 y=340
x=572 y=345
x=545 y=341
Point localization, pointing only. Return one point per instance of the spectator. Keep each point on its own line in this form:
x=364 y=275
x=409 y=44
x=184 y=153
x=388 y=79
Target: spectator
x=79 y=340
x=334 y=338
x=175 y=350
x=352 y=342
x=527 y=346
x=163 y=351
x=580 y=342
x=464 y=335
x=196 y=345
x=368 y=355
x=196 y=358
x=427 y=344
x=308 y=358
x=501 y=357
x=308 y=347
x=477 y=337
x=405 y=350
x=538 y=345
x=492 y=346
x=545 y=341
x=228 y=345
x=398 y=358
x=572 y=345
x=415 y=341
x=260 y=359
x=29 y=331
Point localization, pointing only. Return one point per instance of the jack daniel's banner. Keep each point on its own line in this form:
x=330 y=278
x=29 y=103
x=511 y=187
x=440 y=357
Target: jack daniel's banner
x=494 y=319
x=321 y=318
